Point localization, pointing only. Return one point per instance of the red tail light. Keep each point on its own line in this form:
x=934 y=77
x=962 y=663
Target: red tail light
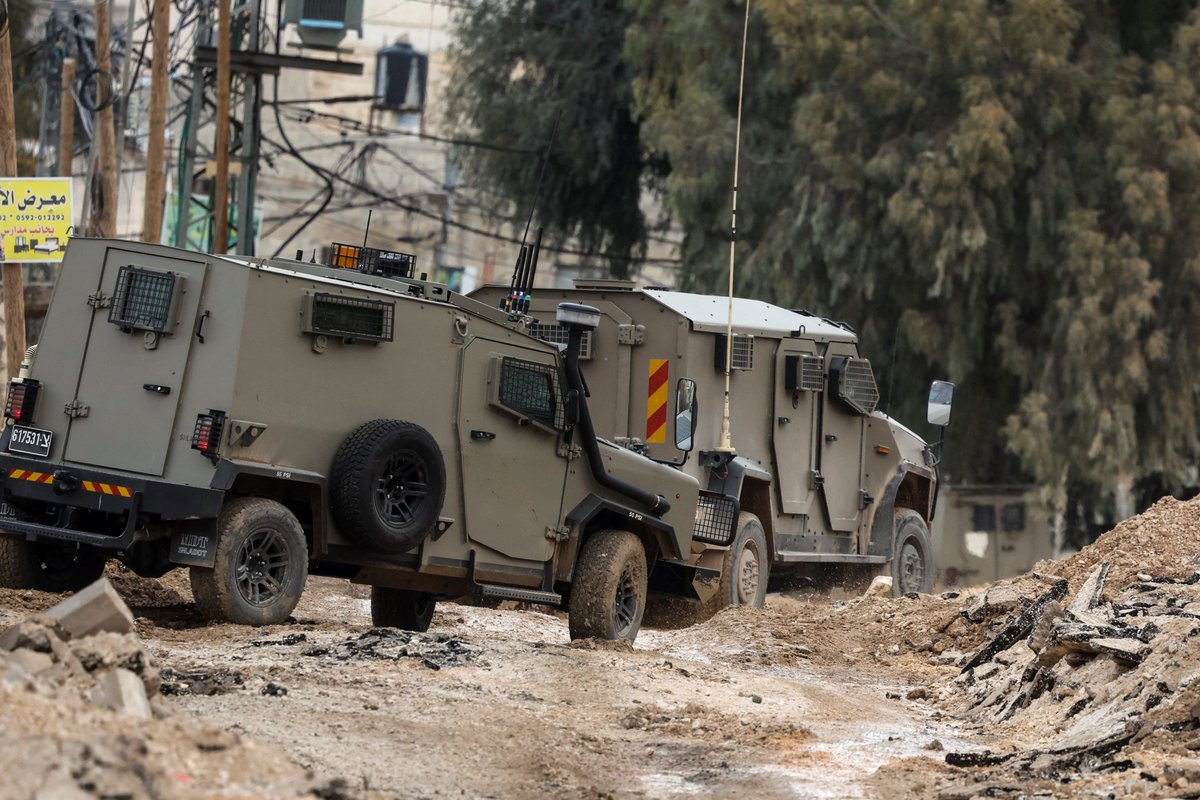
x=207 y=435
x=22 y=397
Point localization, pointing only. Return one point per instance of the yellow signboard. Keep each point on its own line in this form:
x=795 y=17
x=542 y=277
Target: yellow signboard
x=35 y=218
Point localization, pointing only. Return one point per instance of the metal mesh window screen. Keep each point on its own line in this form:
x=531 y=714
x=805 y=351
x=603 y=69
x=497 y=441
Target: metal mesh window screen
x=142 y=299
x=716 y=518
x=325 y=10
x=743 y=352
x=352 y=317
x=812 y=373
x=530 y=389
x=858 y=385
x=557 y=334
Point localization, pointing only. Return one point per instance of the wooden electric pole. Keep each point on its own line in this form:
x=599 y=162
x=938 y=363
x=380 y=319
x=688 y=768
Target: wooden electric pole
x=14 y=278
x=155 y=148
x=221 y=147
x=66 y=125
x=106 y=221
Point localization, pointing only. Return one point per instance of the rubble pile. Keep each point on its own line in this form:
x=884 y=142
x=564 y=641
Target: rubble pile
x=84 y=718
x=1095 y=669
x=434 y=652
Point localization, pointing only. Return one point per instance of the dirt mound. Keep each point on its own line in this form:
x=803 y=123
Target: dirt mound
x=1092 y=668
x=83 y=717
x=1163 y=542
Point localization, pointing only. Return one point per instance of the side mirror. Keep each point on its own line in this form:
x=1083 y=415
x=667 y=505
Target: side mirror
x=686 y=408
x=941 y=398
x=571 y=408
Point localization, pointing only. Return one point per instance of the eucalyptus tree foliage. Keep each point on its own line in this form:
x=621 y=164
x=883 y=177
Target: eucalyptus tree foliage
x=1008 y=188
x=521 y=65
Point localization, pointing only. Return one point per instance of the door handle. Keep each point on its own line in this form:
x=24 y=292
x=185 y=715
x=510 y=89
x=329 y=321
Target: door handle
x=156 y=387
x=484 y=435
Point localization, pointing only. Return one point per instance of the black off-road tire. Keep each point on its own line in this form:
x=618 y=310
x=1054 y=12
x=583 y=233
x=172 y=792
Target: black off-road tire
x=911 y=566
x=608 y=594
x=261 y=564
x=47 y=566
x=401 y=608
x=387 y=485
x=747 y=565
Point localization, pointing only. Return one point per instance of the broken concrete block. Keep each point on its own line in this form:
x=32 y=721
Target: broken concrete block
x=1018 y=627
x=93 y=609
x=30 y=661
x=26 y=636
x=1089 y=594
x=995 y=600
x=122 y=691
x=881 y=586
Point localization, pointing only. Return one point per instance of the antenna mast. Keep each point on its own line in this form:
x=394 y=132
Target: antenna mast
x=726 y=444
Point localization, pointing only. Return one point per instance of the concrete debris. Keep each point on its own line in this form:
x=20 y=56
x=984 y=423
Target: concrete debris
x=201 y=682
x=83 y=650
x=94 y=609
x=881 y=586
x=435 y=652
x=1110 y=668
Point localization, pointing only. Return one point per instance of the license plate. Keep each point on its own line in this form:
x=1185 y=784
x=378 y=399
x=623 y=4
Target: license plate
x=30 y=441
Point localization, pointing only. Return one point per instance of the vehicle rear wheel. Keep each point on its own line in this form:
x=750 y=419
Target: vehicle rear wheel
x=747 y=566
x=48 y=566
x=261 y=564
x=912 y=559
x=388 y=483
x=401 y=608
x=608 y=594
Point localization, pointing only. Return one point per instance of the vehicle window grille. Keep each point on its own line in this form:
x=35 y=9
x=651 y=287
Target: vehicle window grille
x=352 y=317
x=743 y=352
x=143 y=299
x=531 y=390
x=325 y=10
x=557 y=334
x=812 y=373
x=716 y=519
x=853 y=383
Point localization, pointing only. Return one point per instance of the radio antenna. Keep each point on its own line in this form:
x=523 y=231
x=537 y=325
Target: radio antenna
x=726 y=445
x=367 y=229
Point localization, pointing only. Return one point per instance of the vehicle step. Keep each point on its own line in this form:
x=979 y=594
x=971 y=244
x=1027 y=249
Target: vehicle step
x=525 y=595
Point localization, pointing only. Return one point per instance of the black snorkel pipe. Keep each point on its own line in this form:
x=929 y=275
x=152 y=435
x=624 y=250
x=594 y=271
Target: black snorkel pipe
x=576 y=318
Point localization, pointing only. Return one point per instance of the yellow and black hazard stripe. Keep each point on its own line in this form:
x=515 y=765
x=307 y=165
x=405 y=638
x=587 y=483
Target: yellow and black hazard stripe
x=90 y=486
x=656 y=401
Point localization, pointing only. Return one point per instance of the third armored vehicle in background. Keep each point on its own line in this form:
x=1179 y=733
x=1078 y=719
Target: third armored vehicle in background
x=826 y=483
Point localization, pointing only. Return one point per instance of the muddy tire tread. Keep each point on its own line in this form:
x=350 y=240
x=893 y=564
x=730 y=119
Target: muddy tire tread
x=601 y=561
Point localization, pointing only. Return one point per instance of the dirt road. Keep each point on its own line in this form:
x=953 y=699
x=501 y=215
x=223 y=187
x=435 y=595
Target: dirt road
x=498 y=703
x=1079 y=679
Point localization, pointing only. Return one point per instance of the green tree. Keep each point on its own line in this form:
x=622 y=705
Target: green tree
x=1008 y=188
x=522 y=66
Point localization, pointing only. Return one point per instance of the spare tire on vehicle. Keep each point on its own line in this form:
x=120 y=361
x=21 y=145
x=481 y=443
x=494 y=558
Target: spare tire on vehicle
x=388 y=483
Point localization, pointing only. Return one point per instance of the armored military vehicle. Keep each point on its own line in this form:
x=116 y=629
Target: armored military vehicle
x=259 y=420
x=828 y=486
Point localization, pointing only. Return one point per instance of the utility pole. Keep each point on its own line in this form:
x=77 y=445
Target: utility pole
x=106 y=222
x=66 y=125
x=14 y=278
x=155 y=179
x=224 y=76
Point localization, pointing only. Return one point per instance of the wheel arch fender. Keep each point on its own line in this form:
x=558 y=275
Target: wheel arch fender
x=304 y=493
x=910 y=487
x=750 y=483
x=596 y=513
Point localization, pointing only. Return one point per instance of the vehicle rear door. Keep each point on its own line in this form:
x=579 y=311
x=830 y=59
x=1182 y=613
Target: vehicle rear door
x=841 y=449
x=135 y=361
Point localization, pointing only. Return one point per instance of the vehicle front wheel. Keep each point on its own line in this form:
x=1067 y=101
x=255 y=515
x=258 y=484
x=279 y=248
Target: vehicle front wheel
x=261 y=565
x=746 y=566
x=912 y=559
x=608 y=594
x=47 y=566
x=401 y=608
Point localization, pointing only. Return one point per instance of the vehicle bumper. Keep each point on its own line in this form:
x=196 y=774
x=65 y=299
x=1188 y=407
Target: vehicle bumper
x=32 y=479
